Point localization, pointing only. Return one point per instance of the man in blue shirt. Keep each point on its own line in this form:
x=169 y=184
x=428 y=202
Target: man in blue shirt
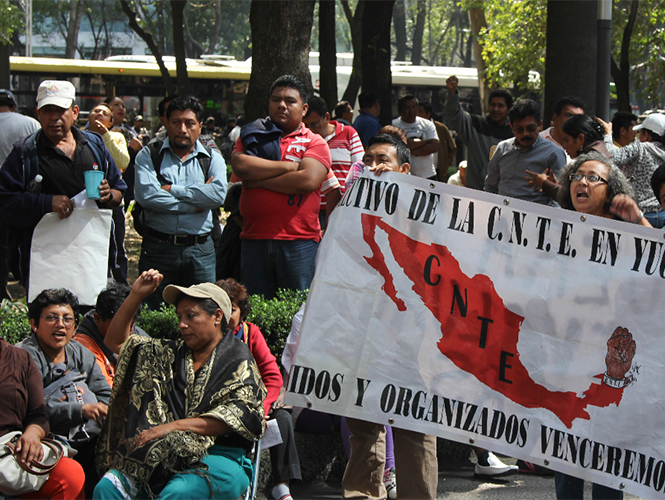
x=177 y=201
x=367 y=124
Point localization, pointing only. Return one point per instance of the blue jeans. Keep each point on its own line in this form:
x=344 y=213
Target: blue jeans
x=271 y=264
x=572 y=488
x=180 y=265
x=656 y=219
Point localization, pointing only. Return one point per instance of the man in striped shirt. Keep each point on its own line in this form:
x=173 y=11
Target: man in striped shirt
x=345 y=148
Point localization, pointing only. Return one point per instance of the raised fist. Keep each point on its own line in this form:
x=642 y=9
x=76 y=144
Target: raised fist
x=452 y=83
x=620 y=353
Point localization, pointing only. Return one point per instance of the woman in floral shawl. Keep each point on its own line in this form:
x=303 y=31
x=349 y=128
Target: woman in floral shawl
x=184 y=413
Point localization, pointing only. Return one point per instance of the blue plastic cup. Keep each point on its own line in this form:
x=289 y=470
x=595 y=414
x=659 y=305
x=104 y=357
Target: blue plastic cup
x=93 y=178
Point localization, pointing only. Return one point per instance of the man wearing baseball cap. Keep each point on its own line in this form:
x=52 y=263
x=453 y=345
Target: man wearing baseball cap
x=13 y=127
x=43 y=172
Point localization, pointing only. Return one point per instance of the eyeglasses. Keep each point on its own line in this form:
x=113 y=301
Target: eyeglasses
x=529 y=128
x=53 y=319
x=591 y=178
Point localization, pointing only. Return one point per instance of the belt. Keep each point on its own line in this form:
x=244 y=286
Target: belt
x=177 y=239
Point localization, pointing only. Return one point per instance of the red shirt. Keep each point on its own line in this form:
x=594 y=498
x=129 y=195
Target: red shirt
x=269 y=215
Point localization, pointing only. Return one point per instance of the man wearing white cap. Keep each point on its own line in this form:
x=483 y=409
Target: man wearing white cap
x=43 y=172
x=639 y=160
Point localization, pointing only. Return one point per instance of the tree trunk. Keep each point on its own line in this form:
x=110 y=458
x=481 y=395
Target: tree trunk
x=570 y=62
x=75 y=14
x=327 y=53
x=355 y=22
x=217 y=29
x=5 y=52
x=178 y=17
x=621 y=72
x=280 y=46
x=399 y=24
x=417 y=51
x=150 y=42
x=376 y=54
x=477 y=21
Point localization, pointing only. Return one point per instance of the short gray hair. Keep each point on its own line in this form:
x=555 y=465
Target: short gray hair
x=616 y=180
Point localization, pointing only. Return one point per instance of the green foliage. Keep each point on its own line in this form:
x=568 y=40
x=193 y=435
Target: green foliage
x=274 y=317
x=14 y=324
x=160 y=324
x=11 y=19
x=647 y=47
x=514 y=42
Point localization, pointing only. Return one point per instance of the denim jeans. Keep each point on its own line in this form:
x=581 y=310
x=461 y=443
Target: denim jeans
x=656 y=219
x=181 y=265
x=271 y=264
x=572 y=488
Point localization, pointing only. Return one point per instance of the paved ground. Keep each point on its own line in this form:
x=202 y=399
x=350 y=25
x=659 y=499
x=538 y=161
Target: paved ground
x=460 y=484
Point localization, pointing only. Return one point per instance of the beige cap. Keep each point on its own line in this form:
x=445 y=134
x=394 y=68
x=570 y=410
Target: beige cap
x=200 y=291
x=58 y=92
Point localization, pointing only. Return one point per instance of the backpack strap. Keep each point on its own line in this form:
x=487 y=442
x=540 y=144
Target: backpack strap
x=157 y=155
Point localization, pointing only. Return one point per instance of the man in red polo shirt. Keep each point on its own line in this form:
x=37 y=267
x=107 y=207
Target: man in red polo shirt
x=280 y=198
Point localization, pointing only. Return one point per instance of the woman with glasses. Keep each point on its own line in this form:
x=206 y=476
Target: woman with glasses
x=593 y=185
x=53 y=317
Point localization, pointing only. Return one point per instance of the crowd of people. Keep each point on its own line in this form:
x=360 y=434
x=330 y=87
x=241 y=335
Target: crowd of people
x=178 y=418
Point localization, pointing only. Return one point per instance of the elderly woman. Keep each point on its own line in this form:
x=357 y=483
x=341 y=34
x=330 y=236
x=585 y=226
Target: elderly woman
x=593 y=185
x=23 y=409
x=183 y=413
x=53 y=316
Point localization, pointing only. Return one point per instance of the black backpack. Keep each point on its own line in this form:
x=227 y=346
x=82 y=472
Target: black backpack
x=156 y=156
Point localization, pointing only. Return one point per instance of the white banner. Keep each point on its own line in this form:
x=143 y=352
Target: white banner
x=71 y=253
x=528 y=330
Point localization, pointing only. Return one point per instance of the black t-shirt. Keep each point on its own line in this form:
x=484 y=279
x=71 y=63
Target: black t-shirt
x=61 y=174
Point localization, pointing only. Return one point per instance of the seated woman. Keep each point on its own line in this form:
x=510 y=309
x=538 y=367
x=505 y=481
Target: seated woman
x=284 y=456
x=183 y=413
x=53 y=314
x=23 y=409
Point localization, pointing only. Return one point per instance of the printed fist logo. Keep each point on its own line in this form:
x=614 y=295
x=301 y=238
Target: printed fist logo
x=620 y=353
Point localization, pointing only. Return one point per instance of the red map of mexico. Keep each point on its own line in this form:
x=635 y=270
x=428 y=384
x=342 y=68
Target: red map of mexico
x=479 y=333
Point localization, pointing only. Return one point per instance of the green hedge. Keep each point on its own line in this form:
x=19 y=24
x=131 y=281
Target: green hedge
x=273 y=317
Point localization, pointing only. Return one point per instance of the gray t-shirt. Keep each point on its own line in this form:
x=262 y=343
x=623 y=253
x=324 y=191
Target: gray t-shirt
x=13 y=128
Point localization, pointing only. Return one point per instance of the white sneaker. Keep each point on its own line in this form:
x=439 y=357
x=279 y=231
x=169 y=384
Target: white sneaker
x=390 y=482
x=496 y=468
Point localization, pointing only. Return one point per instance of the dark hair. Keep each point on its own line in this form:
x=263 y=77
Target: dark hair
x=161 y=107
x=504 y=94
x=209 y=306
x=569 y=100
x=53 y=296
x=341 y=108
x=403 y=153
x=110 y=300
x=621 y=120
x=427 y=106
x=394 y=130
x=402 y=100
x=367 y=98
x=238 y=294
x=317 y=105
x=524 y=108
x=7 y=101
x=657 y=180
x=583 y=124
x=109 y=100
x=654 y=137
x=185 y=103
x=616 y=180
x=291 y=82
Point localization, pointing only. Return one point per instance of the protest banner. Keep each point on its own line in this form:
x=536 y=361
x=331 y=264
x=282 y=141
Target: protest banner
x=525 y=329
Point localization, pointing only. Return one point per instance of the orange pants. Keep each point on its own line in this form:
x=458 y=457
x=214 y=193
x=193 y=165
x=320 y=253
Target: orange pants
x=64 y=483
